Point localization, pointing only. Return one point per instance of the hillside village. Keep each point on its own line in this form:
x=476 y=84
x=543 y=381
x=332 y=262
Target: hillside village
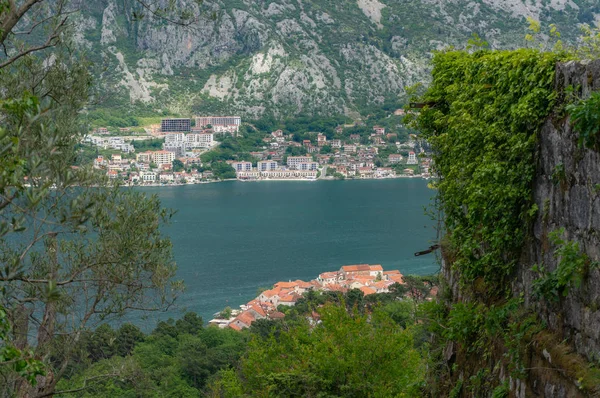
x=188 y=153
x=369 y=279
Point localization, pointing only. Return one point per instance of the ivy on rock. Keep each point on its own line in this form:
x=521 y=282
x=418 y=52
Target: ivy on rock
x=485 y=109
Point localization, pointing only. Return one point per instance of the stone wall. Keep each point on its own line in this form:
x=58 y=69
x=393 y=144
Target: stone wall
x=573 y=204
x=572 y=339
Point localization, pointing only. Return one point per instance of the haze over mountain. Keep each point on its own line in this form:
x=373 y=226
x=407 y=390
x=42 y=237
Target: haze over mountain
x=295 y=56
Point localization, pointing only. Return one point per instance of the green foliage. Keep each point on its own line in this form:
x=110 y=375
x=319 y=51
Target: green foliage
x=558 y=175
x=21 y=362
x=66 y=234
x=177 y=359
x=345 y=354
x=226 y=313
x=589 y=45
x=222 y=170
x=178 y=165
x=148 y=145
x=573 y=266
x=485 y=110
x=585 y=116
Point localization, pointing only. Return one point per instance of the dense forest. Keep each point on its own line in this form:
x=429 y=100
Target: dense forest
x=379 y=342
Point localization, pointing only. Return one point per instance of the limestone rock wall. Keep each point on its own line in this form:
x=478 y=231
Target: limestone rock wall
x=573 y=204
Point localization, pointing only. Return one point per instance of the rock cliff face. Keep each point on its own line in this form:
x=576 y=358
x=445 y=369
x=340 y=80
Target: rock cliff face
x=291 y=56
x=567 y=191
x=572 y=202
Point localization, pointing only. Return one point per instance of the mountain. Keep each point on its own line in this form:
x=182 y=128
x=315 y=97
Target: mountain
x=286 y=57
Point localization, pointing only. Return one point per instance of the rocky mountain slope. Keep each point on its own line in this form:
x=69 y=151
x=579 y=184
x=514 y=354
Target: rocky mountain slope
x=285 y=57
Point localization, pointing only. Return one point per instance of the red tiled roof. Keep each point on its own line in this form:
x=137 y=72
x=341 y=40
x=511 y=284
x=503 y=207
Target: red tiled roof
x=367 y=290
x=286 y=285
x=258 y=309
x=276 y=315
x=354 y=268
x=234 y=326
x=304 y=285
x=328 y=275
x=245 y=317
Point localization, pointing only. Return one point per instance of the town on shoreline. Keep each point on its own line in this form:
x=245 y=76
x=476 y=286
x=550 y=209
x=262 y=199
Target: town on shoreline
x=183 y=151
x=271 y=303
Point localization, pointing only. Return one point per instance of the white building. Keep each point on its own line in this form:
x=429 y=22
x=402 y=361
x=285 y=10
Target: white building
x=175 y=137
x=148 y=176
x=199 y=140
x=267 y=165
x=163 y=157
x=144 y=157
x=412 y=158
x=167 y=177
x=176 y=147
x=307 y=166
x=294 y=161
x=242 y=166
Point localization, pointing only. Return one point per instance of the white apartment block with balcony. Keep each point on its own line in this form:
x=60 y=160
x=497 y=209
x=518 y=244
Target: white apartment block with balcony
x=294 y=161
x=242 y=166
x=313 y=166
x=267 y=165
x=163 y=157
x=199 y=140
x=175 y=137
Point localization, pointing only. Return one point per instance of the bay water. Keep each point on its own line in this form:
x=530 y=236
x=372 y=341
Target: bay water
x=232 y=238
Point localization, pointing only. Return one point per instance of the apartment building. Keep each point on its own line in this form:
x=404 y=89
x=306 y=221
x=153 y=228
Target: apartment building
x=175 y=125
x=163 y=157
x=267 y=165
x=242 y=166
x=321 y=140
x=199 y=140
x=307 y=166
x=175 y=137
x=176 y=147
x=294 y=161
x=144 y=157
x=220 y=124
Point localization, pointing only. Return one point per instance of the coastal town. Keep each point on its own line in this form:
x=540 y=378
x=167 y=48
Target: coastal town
x=183 y=150
x=369 y=279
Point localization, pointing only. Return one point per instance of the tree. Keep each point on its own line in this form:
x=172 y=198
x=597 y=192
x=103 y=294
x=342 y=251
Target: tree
x=191 y=323
x=178 y=165
x=75 y=250
x=345 y=355
x=226 y=313
x=325 y=149
x=128 y=336
x=223 y=170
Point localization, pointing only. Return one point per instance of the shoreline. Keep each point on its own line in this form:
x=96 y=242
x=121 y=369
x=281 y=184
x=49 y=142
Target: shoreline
x=274 y=179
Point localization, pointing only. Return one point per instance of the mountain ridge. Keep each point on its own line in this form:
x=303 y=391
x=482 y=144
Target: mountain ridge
x=288 y=57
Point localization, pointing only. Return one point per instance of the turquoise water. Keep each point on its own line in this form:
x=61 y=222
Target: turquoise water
x=231 y=238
